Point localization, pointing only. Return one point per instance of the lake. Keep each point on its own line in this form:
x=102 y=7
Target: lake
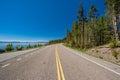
x=3 y=45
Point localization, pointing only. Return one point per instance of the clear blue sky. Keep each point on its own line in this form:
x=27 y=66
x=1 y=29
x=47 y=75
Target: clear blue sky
x=43 y=20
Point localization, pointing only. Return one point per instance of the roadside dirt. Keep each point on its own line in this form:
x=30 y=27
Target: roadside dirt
x=106 y=53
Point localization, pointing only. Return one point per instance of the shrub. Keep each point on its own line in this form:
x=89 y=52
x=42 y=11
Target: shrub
x=35 y=46
x=113 y=44
x=9 y=47
x=20 y=47
x=87 y=45
x=29 y=46
x=39 y=45
x=100 y=57
x=2 y=51
x=118 y=44
x=115 y=54
x=66 y=44
x=97 y=51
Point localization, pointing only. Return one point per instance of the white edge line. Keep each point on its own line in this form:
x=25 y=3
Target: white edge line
x=5 y=65
x=96 y=63
x=99 y=64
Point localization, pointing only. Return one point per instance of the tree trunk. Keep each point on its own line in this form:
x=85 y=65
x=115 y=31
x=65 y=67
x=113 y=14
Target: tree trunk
x=115 y=28
x=83 y=35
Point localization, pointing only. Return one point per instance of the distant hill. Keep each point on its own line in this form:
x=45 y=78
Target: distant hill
x=19 y=42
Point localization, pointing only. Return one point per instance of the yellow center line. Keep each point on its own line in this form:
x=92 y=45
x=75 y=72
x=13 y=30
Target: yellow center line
x=60 y=72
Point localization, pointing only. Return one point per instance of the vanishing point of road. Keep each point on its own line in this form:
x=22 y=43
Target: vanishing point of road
x=57 y=62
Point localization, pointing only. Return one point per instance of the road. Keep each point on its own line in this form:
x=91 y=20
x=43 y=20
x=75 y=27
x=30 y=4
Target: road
x=9 y=55
x=57 y=62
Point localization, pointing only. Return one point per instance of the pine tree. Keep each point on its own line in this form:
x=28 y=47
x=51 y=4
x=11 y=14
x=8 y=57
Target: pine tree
x=75 y=33
x=113 y=9
x=81 y=18
x=92 y=15
x=95 y=30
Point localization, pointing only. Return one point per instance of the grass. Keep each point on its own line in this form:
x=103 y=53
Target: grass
x=115 y=54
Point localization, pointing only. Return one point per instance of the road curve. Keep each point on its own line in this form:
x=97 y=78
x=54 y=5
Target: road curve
x=57 y=62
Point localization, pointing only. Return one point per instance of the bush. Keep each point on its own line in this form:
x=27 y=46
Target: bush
x=9 y=47
x=115 y=54
x=118 y=44
x=66 y=44
x=29 y=46
x=2 y=51
x=87 y=45
x=19 y=47
x=113 y=44
x=100 y=57
x=35 y=46
x=39 y=45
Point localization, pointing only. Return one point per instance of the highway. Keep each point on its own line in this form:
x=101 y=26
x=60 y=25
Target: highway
x=57 y=62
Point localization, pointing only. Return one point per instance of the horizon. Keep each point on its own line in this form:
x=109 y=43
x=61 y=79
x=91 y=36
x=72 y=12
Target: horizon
x=21 y=41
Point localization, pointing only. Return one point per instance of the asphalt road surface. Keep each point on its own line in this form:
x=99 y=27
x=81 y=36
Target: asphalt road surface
x=57 y=62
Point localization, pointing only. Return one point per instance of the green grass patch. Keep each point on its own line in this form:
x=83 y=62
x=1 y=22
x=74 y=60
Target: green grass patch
x=100 y=57
x=115 y=54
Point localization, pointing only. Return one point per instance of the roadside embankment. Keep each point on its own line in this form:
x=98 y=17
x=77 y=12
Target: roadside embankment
x=106 y=53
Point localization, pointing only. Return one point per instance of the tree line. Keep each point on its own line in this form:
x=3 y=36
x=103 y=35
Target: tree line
x=9 y=47
x=56 y=41
x=93 y=30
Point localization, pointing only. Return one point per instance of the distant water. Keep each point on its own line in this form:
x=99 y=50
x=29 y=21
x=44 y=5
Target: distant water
x=3 y=45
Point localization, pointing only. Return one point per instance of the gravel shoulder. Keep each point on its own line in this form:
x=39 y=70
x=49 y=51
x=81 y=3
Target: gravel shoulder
x=9 y=55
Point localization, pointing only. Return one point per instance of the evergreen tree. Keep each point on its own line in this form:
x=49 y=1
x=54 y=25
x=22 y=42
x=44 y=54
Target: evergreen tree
x=92 y=15
x=113 y=10
x=81 y=18
x=95 y=30
x=75 y=33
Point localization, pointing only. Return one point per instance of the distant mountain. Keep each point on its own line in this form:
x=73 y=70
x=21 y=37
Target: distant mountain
x=20 y=42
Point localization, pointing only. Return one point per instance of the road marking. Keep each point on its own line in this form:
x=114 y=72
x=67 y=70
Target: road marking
x=96 y=63
x=18 y=59
x=5 y=65
x=60 y=72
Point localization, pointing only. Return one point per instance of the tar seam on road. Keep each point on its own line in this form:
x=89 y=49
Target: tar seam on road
x=96 y=63
x=18 y=59
x=5 y=65
x=60 y=72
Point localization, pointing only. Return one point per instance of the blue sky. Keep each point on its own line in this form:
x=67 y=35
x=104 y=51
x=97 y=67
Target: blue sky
x=40 y=20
